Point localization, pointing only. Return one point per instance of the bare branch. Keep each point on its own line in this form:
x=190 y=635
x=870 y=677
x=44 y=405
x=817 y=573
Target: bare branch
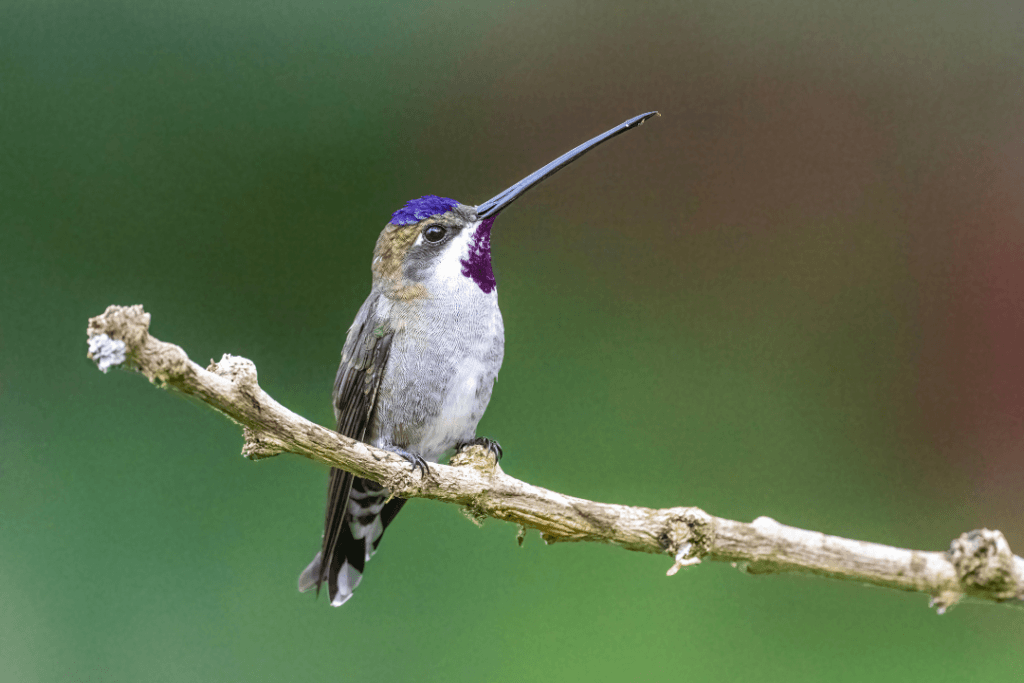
x=978 y=564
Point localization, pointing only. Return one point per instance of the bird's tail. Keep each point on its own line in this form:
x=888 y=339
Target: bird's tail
x=358 y=512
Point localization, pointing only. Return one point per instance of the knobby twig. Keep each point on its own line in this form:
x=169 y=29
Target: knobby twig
x=978 y=564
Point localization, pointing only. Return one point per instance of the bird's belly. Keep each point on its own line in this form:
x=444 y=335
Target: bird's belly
x=434 y=394
x=461 y=408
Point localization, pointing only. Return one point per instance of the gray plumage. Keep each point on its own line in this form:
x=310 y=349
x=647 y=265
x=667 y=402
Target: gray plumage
x=416 y=374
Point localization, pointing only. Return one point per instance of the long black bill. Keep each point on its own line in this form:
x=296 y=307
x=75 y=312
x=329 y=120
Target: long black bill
x=502 y=199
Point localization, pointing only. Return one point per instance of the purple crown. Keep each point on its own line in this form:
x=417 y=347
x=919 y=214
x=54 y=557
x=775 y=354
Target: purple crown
x=416 y=210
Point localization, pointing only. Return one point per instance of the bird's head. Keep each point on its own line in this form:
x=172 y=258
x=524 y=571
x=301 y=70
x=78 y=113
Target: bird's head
x=434 y=245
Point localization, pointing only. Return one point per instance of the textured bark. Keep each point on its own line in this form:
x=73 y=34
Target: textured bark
x=978 y=564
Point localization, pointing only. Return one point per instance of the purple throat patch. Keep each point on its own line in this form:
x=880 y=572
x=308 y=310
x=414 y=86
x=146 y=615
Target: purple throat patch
x=477 y=264
x=416 y=210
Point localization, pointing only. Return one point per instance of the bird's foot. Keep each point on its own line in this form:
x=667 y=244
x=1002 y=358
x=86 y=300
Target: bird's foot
x=416 y=461
x=490 y=445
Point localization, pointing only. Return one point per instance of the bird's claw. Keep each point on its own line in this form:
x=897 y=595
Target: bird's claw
x=490 y=445
x=417 y=463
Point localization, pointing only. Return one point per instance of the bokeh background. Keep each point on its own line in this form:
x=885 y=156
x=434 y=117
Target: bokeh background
x=798 y=293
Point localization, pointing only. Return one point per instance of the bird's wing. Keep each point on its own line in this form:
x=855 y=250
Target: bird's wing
x=362 y=366
x=363 y=360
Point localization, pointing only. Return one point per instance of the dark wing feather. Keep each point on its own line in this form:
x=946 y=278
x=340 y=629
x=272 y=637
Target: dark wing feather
x=355 y=400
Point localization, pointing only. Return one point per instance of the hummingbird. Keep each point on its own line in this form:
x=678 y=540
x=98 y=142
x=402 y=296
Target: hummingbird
x=419 y=362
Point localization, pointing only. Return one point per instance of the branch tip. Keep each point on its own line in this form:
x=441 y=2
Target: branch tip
x=116 y=334
x=984 y=562
x=106 y=352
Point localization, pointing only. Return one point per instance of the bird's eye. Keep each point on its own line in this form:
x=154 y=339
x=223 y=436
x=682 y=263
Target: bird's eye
x=434 y=233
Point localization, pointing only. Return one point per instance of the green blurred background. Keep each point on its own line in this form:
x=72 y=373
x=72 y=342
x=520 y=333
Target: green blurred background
x=798 y=293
